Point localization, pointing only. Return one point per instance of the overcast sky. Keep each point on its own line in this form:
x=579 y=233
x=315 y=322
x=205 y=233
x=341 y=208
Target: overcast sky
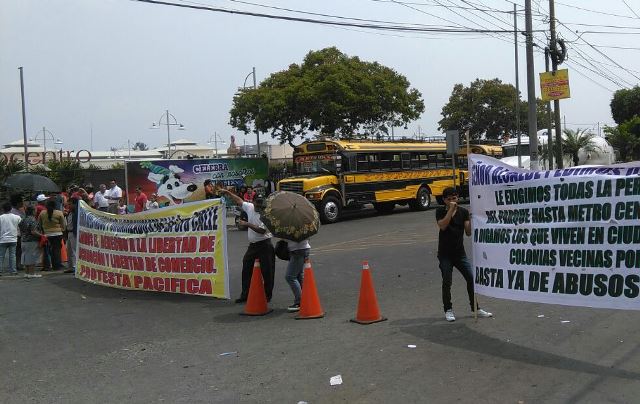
x=112 y=67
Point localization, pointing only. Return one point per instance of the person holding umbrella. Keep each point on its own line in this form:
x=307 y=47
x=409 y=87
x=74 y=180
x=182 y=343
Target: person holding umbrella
x=260 y=246
x=293 y=218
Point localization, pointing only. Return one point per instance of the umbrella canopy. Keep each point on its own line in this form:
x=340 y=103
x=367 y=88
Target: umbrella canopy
x=290 y=216
x=31 y=182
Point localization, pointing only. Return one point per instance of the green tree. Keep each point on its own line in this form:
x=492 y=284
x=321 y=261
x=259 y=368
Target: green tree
x=331 y=94
x=8 y=168
x=63 y=173
x=575 y=140
x=625 y=139
x=625 y=104
x=487 y=108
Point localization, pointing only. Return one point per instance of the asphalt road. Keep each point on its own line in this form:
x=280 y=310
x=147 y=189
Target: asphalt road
x=66 y=341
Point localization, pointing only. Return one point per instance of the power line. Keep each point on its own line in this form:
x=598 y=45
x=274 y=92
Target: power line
x=398 y=28
x=593 y=11
x=632 y=10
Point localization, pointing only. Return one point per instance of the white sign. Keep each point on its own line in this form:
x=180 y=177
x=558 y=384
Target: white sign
x=568 y=236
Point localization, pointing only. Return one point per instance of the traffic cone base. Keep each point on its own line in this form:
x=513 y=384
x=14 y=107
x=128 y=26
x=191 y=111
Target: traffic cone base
x=257 y=300
x=368 y=311
x=309 y=302
x=353 y=320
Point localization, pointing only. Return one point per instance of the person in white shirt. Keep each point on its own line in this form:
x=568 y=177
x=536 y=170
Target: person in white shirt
x=9 y=237
x=152 y=203
x=113 y=195
x=100 y=201
x=260 y=246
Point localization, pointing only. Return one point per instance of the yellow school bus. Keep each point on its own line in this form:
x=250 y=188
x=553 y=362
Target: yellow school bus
x=338 y=174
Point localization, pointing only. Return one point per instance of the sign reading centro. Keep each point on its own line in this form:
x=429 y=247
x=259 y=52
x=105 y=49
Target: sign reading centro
x=81 y=156
x=567 y=236
x=180 y=249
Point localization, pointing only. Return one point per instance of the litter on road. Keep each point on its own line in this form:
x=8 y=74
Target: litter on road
x=335 y=380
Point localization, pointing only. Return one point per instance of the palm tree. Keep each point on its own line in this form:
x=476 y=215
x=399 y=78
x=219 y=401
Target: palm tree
x=576 y=140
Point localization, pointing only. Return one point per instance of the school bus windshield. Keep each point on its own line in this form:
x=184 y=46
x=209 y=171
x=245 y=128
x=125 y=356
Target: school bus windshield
x=315 y=164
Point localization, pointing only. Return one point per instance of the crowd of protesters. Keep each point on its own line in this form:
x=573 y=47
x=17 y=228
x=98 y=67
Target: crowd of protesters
x=39 y=231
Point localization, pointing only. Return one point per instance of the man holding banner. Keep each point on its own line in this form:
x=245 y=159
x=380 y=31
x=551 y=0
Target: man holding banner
x=260 y=246
x=453 y=221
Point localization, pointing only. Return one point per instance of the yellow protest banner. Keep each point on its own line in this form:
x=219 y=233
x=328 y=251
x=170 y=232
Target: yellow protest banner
x=555 y=86
x=178 y=249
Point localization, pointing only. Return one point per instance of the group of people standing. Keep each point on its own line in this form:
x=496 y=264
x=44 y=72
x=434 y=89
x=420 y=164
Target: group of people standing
x=32 y=235
x=261 y=248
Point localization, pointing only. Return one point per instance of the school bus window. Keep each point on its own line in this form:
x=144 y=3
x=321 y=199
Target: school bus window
x=362 y=162
x=415 y=161
x=406 y=161
x=396 y=164
x=424 y=162
x=374 y=162
x=315 y=147
x=385 y=161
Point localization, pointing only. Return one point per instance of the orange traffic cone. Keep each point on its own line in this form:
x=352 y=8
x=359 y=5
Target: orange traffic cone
x=309 y=301
x=63 y=252
x=368 y=311
x=257 y=300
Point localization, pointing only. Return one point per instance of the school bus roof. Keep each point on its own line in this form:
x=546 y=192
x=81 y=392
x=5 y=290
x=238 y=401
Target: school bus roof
x=380 y=146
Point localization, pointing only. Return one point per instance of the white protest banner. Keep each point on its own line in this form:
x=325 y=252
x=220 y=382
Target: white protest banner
x=179 y=249
x=568 y=236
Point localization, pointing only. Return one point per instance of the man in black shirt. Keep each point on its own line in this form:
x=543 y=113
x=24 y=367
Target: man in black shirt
x=454 y=221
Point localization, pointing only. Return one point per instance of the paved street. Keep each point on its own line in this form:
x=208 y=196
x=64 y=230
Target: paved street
x=66 y=341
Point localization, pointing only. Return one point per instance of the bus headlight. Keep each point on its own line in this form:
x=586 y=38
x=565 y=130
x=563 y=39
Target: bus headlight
x=314 y=196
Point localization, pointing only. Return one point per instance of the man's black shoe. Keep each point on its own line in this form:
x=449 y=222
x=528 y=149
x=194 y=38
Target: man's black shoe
x=241 y=300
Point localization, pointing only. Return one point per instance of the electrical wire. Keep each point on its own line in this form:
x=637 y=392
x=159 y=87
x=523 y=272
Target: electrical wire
x=398 y=28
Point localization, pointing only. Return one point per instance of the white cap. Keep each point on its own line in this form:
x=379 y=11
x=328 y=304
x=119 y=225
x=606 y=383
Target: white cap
x=41 y=198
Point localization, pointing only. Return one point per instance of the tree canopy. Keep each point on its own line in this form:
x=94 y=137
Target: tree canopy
x=625 y=139
x=576 y=140
x=487 y=108
x=331 y=94
x=625 y=104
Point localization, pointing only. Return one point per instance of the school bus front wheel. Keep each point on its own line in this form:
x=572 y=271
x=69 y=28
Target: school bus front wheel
x=329 y=209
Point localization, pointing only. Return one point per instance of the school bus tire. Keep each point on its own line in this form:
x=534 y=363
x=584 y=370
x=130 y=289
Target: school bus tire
x=329 y=209
x=422 y=201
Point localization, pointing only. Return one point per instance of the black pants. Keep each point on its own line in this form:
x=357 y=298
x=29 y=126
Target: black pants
x=55 y=247
x=262 y=250
x=446 y=268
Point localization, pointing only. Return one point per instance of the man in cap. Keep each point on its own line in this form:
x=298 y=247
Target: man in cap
x=454 y=221
x=41 y=199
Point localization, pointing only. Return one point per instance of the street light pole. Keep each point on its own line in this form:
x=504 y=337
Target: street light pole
x=255 y=87
x=168 y=117
x=24 y=123
x=46 y=133
x=215 y=141
x=168 y=135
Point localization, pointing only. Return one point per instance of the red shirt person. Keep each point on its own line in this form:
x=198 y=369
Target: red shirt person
x=141 y=201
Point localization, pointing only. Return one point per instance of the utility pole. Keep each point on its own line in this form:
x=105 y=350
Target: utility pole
x=554 y=64
x=549 y=132
x=24 y=123
x=531 y=90
x=517 y=105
